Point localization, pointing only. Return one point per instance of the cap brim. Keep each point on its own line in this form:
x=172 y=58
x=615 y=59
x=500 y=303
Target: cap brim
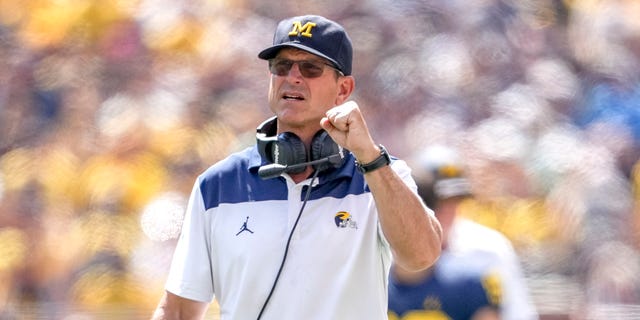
x=271 y=52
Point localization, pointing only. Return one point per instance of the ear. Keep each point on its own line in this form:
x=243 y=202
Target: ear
x=346 y=85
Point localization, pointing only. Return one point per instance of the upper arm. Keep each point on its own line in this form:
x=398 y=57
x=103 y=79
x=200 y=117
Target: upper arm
x=173 y=307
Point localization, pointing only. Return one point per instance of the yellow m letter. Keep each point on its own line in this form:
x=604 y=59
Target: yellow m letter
x=299 y=29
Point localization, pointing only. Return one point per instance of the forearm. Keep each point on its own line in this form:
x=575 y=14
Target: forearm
x=414 y=235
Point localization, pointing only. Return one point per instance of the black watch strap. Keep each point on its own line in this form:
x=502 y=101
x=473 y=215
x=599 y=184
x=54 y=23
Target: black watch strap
x=383 y=160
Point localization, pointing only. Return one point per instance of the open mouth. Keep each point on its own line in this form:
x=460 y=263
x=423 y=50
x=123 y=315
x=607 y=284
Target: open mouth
x=292 y=97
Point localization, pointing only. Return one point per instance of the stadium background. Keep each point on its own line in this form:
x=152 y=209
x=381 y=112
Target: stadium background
x=109 y=109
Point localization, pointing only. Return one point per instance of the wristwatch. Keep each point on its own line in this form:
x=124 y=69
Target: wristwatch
x=383 y=160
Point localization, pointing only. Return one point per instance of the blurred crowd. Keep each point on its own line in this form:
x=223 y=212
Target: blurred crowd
x=110 y=109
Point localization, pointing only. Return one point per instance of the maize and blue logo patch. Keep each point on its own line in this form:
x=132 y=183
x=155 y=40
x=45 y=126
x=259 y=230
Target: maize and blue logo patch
x=343 y=220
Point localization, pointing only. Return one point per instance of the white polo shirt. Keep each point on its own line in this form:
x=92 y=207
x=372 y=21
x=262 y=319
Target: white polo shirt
x=234 y=236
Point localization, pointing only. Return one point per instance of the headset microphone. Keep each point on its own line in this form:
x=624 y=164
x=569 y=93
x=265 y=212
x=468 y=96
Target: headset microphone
x=275 y=169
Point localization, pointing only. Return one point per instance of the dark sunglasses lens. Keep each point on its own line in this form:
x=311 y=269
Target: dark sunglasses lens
x=307 y=69
x=310 y=70
x=280 y=67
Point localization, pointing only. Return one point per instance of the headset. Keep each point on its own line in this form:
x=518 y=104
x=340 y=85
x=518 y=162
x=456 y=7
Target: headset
x=287 y=153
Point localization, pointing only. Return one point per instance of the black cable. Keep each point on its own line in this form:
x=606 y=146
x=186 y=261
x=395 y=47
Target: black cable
x=286 y=249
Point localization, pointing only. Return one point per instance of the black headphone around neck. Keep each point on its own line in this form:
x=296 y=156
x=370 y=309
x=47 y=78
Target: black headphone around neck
x=288 y=149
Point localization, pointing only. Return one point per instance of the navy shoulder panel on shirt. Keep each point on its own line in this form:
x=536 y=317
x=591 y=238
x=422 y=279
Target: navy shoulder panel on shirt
x=231 y=181
x=235 y=180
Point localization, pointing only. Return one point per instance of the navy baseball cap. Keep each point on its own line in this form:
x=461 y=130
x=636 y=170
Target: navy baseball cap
x=314 y=34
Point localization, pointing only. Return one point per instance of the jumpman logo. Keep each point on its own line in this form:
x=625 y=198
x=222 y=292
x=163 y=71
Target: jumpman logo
x=244 y=227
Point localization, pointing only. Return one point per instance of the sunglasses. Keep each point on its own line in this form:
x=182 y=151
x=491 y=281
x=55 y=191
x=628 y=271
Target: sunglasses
x=308 y=68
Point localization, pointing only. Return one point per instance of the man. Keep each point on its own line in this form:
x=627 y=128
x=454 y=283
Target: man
x=321 y=236
x=478 y=275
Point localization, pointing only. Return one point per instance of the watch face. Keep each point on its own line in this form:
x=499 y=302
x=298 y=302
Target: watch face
x=384 y=153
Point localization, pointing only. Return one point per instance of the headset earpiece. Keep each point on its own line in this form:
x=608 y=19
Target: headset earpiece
x=288 y=149
x=323 y=146
x=265 y=137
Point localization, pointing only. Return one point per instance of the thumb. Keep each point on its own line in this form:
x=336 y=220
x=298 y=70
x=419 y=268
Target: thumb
x=326 y=124
x=333 y=132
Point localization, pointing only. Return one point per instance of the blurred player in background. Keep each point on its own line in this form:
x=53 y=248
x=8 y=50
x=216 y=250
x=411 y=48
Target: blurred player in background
x=478 y=275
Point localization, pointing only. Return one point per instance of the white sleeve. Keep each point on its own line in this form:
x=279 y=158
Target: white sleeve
x=190 y=275
x=404 y=171
x=517 y=303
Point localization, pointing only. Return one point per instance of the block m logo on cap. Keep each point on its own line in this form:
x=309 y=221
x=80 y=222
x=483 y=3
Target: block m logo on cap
x=315 y=34
x=300 y=30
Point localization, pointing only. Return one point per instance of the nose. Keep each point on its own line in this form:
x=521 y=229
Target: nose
x=295 y=71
